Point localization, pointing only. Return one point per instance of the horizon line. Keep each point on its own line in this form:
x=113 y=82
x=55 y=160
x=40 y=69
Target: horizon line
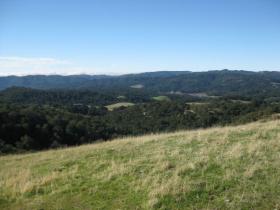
x=123 y=74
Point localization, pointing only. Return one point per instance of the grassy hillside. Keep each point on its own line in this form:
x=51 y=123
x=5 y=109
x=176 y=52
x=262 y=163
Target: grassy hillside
x=218 y=168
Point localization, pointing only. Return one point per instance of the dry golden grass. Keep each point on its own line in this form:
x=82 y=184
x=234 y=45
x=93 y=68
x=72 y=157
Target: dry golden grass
x=216 y=168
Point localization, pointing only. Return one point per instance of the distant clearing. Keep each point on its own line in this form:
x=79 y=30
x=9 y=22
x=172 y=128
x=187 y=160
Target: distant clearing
x=138 y=86
x=118 y=105
x=121 y=97
x=202 y=95
x=161 y=98
x=197 y=103
x=241 y=101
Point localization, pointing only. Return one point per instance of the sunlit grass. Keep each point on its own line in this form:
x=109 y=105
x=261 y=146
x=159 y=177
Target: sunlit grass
x=217 y=168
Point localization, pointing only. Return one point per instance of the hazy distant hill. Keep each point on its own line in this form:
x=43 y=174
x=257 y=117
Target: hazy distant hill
x=223 y=82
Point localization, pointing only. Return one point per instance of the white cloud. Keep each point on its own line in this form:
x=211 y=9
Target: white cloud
x=33 y=65
x=18 y=62
x=14 y=65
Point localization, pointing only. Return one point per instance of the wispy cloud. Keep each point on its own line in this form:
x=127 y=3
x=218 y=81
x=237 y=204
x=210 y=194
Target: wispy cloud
x=33 y=65
x=21 y=66
x=18 y=62
x=15 y=65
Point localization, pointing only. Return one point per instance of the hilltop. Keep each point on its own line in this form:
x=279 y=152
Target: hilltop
x=217 y=168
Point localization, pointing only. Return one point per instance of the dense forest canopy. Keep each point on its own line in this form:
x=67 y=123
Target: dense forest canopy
x=36 y=127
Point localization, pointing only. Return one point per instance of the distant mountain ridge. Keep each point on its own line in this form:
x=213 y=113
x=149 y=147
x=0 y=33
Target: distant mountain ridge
x=76 y=81
x=218 y=82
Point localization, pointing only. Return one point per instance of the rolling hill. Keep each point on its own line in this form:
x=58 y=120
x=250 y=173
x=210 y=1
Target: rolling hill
x=225 y=82
x=217 y=168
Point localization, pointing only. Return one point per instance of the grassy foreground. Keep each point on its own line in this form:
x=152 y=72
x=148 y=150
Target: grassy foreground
x=218 y=168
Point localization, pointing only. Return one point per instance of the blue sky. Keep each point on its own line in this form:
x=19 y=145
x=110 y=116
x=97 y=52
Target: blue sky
x=127 y=36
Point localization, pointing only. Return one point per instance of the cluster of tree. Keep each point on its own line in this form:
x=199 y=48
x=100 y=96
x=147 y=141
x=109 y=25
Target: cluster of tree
x=38 y=127
x=41 y=127
x=21 y=95
x=84 y=99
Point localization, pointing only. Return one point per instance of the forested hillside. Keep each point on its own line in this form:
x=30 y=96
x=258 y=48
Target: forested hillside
x=37 y=127
x=217 y=83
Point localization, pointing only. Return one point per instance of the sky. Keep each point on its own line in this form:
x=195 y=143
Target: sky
x=131 y=36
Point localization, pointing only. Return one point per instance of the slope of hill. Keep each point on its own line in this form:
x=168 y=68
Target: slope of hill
x=217 y=168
